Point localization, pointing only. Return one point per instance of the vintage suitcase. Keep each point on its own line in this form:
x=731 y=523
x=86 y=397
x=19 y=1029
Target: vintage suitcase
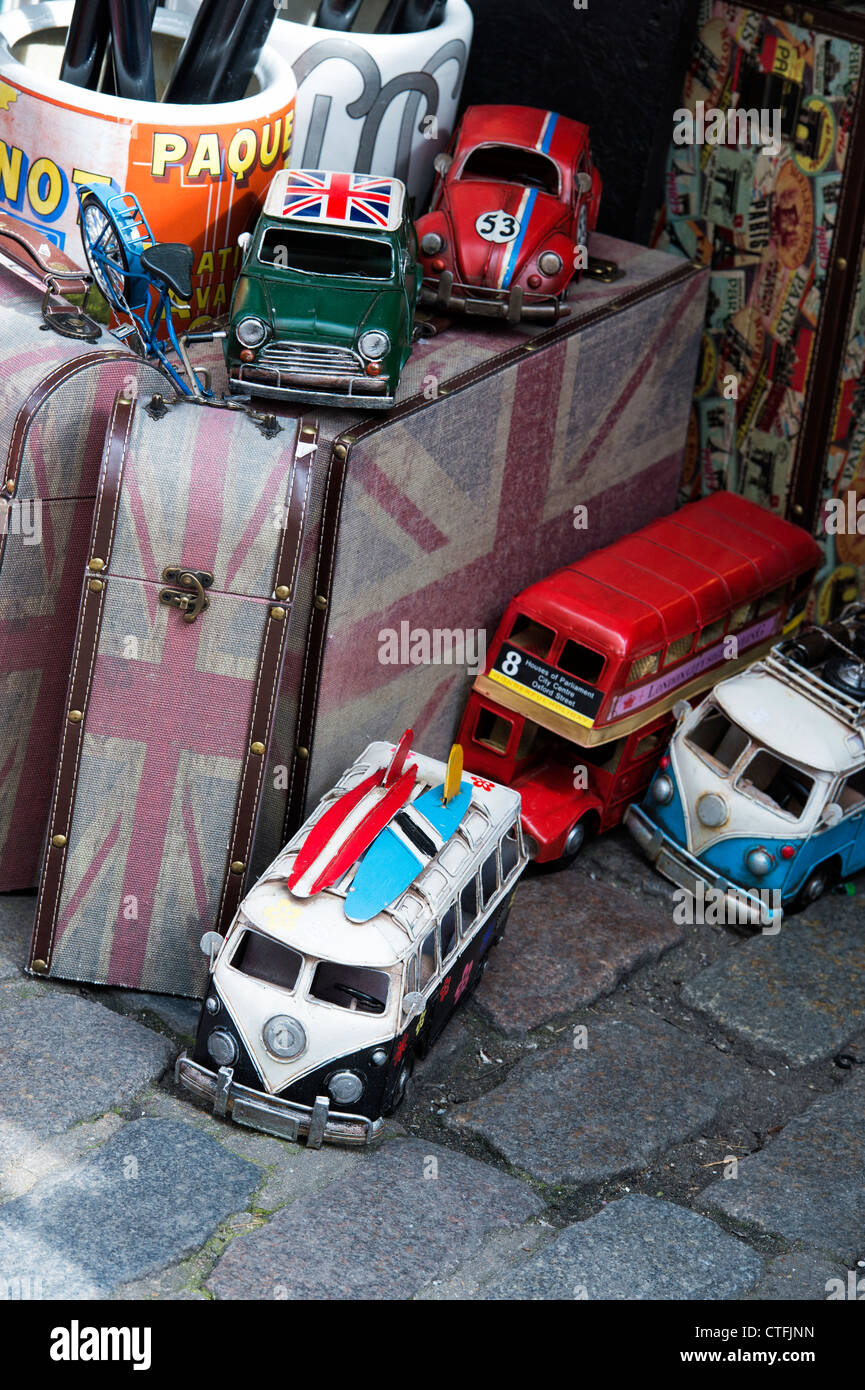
x=55 y=398
x=780 y=223
x=185 y=600
x=425 y=521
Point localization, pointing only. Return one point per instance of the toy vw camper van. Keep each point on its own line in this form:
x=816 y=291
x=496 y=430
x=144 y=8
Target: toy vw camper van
x=761 y=798
x=348 y=956
x=323 y=309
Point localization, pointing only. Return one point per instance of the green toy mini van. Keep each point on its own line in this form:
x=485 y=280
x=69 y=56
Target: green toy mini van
x=323 y=308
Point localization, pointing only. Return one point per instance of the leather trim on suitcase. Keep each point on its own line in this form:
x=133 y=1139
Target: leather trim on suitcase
x=331 y=514
x=89 y=624
x=269 y=671
x=86 y=643
x=62 y=267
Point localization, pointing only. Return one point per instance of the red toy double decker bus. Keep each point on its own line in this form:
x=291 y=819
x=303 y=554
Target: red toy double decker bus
x=597 y=654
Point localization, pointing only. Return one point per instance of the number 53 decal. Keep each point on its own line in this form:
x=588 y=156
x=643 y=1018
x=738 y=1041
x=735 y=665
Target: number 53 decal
x=497 y=226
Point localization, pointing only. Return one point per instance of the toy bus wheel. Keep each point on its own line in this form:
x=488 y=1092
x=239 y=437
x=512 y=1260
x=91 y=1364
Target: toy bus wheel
x=575 y=841
x=403 y=1084
x=846 y=675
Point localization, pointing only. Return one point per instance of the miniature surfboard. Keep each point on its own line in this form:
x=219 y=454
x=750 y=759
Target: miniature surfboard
x=401 y=850
x=366 y=831
x=397 y=762
x=325 y=828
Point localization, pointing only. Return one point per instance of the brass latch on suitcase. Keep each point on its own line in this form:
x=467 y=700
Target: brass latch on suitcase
x=187 y=591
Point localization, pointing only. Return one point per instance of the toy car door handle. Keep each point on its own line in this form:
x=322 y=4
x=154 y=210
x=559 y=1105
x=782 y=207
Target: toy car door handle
x=186 y=591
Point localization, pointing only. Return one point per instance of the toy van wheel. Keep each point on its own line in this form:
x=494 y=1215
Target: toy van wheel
x=846 y=675
x=814 y=887
x=98 y=228
x=403 y=1084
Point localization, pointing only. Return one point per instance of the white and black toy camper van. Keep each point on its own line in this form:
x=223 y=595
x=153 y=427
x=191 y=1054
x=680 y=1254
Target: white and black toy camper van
x=348 y=956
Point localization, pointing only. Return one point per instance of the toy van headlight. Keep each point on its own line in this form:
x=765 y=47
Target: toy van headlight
x=662 y=791
x=431 y=243
x=374 y=343
x=345 y=1087
x=759 y=862
x=283 y=1037
x=222 y=1047
x=251 y=332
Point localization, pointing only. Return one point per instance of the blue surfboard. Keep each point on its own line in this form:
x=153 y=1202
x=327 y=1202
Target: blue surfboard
x=390 y=864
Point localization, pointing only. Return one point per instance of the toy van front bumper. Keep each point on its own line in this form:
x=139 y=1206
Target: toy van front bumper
x=284 y=1118
x=361 y=391
x=688 y=872
x=515 y=305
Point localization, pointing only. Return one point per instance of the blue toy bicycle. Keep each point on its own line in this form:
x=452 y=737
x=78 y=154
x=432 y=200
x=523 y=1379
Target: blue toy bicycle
x=138 y=275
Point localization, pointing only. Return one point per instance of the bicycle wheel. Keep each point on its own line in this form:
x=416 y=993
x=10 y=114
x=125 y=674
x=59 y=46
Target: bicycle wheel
x=104 y=251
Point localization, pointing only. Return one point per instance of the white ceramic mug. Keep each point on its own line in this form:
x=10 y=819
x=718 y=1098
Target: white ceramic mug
x=374 y=103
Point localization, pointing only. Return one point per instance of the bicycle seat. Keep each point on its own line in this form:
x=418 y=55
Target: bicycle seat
x=171 y=262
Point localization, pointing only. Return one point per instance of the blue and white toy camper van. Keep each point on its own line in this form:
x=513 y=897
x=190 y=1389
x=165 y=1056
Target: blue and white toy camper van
x=760 y=799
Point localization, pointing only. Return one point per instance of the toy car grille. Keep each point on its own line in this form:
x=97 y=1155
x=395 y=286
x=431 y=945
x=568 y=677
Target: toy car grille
x=310 y=357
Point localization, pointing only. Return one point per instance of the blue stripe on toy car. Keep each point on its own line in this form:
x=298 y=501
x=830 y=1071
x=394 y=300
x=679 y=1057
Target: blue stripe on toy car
x=524 y=217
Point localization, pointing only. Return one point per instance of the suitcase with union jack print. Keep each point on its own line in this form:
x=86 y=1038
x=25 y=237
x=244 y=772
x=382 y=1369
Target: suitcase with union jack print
x=56 y=394
x=186 y=596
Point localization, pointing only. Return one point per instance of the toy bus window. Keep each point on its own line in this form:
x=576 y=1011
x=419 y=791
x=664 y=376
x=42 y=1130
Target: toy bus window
x=532 y=637
x=851 y=796
x=605 y=756
x=427 y=960
x=718 y=737
x=453 y=856
x=528 y=738
x=774 y=783
x=350 y=986
x=581 y=662
x=267 y=960
x=510 y=164
x=650 y=744
x=769 y=602
x=678 y=649
x=493 y=731
x=742 y=615
x=326 y=253
x=713 y=633
x=510 y=853
x=489 y=877
x=411 y=975
x=469 y=905
x=643 y=666
x=448 y=928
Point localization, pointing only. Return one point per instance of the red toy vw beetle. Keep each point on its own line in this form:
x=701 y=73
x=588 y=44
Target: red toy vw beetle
x=516 y=196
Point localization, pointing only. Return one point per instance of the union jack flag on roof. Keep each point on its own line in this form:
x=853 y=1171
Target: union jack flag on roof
x=361 y=201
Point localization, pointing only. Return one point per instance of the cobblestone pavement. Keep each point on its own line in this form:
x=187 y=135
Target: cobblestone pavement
x=628 y=1108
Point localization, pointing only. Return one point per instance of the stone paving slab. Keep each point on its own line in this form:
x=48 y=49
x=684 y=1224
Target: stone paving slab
x=800 y=992
x=801 y=1276
x=808 y=1185
x=581 y=1116
x=290 y=1170
x=16 y=924
x=66 y=1059
x=569 y=940
x=180 y=1015
x=409 y=1212
x=155 y=1191
x=637 y=1248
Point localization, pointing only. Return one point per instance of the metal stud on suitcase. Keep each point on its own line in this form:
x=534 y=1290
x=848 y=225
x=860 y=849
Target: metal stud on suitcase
x=187 y=593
